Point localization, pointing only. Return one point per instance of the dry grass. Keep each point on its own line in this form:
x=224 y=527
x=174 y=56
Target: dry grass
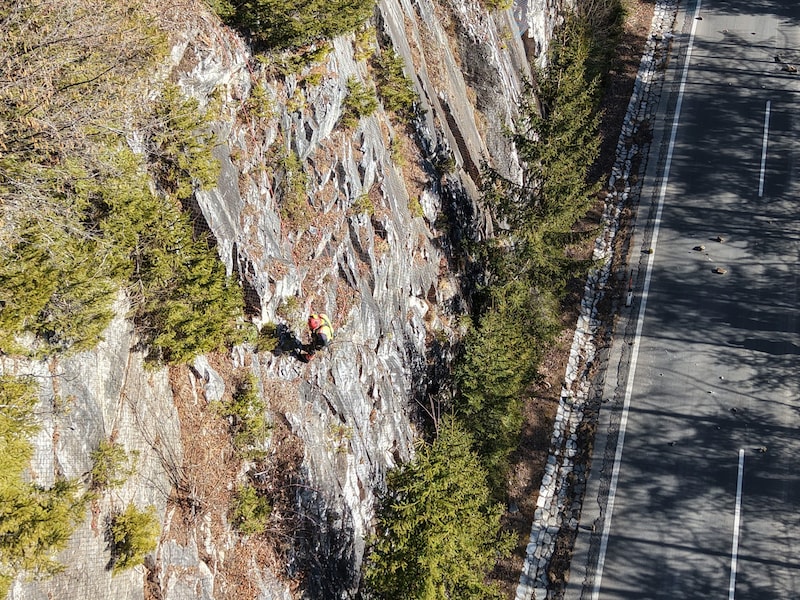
x=209 y=460
x=212 y=469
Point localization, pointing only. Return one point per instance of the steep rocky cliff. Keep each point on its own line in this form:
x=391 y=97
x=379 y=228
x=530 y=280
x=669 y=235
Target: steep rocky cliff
x=388 y=201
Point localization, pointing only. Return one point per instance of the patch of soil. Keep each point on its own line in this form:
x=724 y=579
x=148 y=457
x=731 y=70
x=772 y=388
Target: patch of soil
x=541 y=406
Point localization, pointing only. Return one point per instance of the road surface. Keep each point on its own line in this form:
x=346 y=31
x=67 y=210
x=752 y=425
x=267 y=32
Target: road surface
x=697 y=493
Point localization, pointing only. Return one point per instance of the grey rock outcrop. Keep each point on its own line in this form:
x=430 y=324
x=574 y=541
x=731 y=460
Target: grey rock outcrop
x=87 y=398
x=383 y=277
x=386 y=275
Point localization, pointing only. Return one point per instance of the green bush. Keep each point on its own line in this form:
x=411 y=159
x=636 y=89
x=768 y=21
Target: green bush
x=35 y=522
x=364 y=43
x=290 y=309
x=247 y=414
x=260 y=104
x=363 y=205
x=294 y=206
x=280 y=24
x=17 y=424
x=296 y=61
x=497 y=4
x=180 y=145
x=359 y=102
x=111 y=465
x=27 y=282
x=438 y=530
x=251 y=511
x=394 y=87
x=268 y=338
x=134 y=534
x=415 y=207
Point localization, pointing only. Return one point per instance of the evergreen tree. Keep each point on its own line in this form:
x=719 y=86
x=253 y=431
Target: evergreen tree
x=527 y=266
x=283 y=24
x=395 y=88
x=359 y=102
x=180 y=145
x=557 y=140
x=135 y=533
x=500 y=358
x=438 y=530
x=35 y=522
x=17 y=403
x=189 y=306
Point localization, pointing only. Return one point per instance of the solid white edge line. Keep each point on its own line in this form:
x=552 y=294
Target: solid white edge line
x=612 y=490
x=764 y=151
x=737 y=514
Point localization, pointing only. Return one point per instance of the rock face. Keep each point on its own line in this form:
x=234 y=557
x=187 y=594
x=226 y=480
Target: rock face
x=84 y=399
x=387 y=202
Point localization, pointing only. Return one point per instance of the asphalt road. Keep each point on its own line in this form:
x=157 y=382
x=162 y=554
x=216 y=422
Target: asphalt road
x=702 y=498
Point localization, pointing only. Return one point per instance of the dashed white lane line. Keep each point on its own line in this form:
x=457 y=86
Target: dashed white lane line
x=764 y=151
x=737 y=515
x=612 y=491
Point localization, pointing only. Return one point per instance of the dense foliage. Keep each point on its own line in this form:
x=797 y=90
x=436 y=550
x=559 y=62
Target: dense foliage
x=359 y=102
x=53 y=279
x=295 y=210
x=111 y=465
x=97 y=170
x=134 y=533
x=439 y=531
x=557 y=141
x=527 y=266
x=279 y=24
x=394 y=87
x=437 y=534
x=35 y=522
x=180 y=144
x=80 y=220
x=250 y=511
x=246 y=413
x=501 y=358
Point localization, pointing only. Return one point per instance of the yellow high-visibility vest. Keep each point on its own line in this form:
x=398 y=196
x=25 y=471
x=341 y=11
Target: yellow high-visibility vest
x=325 y=330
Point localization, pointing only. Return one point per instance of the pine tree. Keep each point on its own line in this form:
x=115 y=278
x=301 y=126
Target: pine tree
x=558 y=142
x=35 y=522
x=180 y=145
x=280 y=24
x=438 y=530
x=395 y=88
x=135 y=533
x=500 y=358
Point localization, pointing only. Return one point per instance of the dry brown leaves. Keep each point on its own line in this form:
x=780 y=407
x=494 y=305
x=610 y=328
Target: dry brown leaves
x=211 y=470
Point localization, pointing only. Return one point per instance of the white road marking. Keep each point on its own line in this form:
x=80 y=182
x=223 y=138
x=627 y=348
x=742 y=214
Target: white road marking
x=612 y=490
x=737 y=514
x=764 y=151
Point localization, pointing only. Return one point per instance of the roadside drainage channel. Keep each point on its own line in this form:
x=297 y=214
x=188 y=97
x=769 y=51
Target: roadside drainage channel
x=554 y=508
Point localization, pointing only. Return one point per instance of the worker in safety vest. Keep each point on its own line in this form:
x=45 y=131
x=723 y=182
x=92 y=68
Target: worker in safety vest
x=319 y=324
